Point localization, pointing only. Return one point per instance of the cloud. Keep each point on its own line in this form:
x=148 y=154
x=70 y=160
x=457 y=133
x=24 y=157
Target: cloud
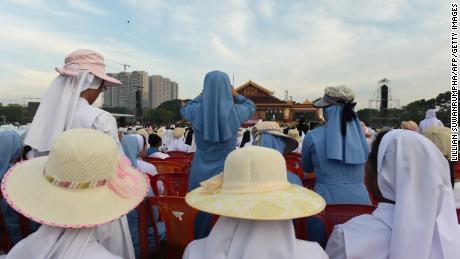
x=318 y=44
x=266 y=8
x=221 y=49
x=85 y=6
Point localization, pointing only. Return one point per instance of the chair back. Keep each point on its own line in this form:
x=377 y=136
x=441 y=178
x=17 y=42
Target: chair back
x=293 y=162
x=143 y=219
x=166 y=167
x=296 y=170
x=179 y=220
x=457 y=170
x=309 y=181
x=335 y=214
x=177 y=154
x=174 y=184
x=185 y=161
x=152 y=160
x=5 y=241
x=292 y=155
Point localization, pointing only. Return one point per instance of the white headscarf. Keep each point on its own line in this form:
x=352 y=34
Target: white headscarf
x=233 y=238
x=54 y=243
x=57 y=110
x=430 y=120
x=140 y=142
x=167 y=137
x=413 y=173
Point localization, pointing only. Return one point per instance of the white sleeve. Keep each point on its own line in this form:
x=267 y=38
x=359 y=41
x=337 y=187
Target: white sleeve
x=335 y=247
x=107 y=124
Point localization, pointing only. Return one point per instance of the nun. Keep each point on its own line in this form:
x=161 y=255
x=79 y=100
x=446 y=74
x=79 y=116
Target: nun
x=430 y=120
x=216 y=115
x=67 y=104
x=337 y=150
x=415 y=217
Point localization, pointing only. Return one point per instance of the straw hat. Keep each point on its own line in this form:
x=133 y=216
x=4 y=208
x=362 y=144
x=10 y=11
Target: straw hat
x=294 y=133
x=254 y=185
x=272 y=127
x=335 y=95
x=178 y=133
x=409 y=125
x=84 y=182
x=440 y=136
x=88 y=60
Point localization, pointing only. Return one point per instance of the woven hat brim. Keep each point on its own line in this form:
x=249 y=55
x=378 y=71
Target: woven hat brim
x=29 y=193
x=291 y=143
x=321 y=103
x=291 y=203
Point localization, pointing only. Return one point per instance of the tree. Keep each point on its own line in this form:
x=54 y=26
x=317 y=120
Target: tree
x=14 y=113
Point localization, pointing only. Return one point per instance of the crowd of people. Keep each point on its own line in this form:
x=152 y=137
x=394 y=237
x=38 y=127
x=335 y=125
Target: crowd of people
x=78 y=177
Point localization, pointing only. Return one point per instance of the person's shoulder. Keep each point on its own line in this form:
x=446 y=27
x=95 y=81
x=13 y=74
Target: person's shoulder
x=313 y=249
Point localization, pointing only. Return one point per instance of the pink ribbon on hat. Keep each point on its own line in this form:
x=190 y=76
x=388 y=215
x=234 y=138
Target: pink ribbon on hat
x=125 y=183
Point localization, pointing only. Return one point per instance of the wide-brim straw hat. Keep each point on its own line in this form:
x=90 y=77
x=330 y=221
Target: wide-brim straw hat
x=87 y=60
x=178 y=133
x=335 y=95
x=84 y=182
x=273 y=128
x=254 y=186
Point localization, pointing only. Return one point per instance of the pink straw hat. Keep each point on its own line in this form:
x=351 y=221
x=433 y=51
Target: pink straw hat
x=87 y=60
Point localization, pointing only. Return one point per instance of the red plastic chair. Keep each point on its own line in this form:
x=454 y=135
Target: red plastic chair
x=457 y=170
x=177 y=154
x=166 y=167
x=458 y=215
x=143 y=219
x=181 y=160
x=293 y=156
x=340 y=213
x=179 y=220
x=293 y=162
x=296 y=170
x=309 y=181
x=174 y=184
x=152 y=159
x=5 y=241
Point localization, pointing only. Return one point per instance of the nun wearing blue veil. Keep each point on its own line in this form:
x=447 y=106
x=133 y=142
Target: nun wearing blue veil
x=337 y=151
x=10 y=152
x=131 y=149
x=216 y=115
x=269 y=134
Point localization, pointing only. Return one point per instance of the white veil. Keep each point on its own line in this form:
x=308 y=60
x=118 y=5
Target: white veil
x=57 y=109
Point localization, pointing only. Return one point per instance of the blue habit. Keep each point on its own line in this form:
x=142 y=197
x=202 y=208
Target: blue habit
x=338 y=161
x=216 y=117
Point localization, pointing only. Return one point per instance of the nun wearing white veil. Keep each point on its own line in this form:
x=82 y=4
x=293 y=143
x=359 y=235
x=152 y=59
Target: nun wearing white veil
x=67 y=104
x=416 y=215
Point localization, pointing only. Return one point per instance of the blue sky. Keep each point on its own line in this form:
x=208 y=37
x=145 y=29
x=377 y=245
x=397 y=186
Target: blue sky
x=299 y=46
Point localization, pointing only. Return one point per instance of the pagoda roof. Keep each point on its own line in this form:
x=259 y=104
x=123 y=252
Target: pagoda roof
x=257 y=86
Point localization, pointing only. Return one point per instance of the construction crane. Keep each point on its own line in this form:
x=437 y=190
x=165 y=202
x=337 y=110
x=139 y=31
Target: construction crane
x=125 y=66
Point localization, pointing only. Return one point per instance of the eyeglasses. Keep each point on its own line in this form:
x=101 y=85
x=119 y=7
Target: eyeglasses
x=103 y=87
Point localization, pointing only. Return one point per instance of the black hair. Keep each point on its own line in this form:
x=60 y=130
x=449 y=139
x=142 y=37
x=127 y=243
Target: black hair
x=26 y=149
x=246 y=138
x=154 y=140
x=375 y=149
x=189 y=136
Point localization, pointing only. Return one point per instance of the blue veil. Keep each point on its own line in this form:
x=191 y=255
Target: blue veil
x=215 y=117
x=10 y=148
x=350 y=148
x=130 y=148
